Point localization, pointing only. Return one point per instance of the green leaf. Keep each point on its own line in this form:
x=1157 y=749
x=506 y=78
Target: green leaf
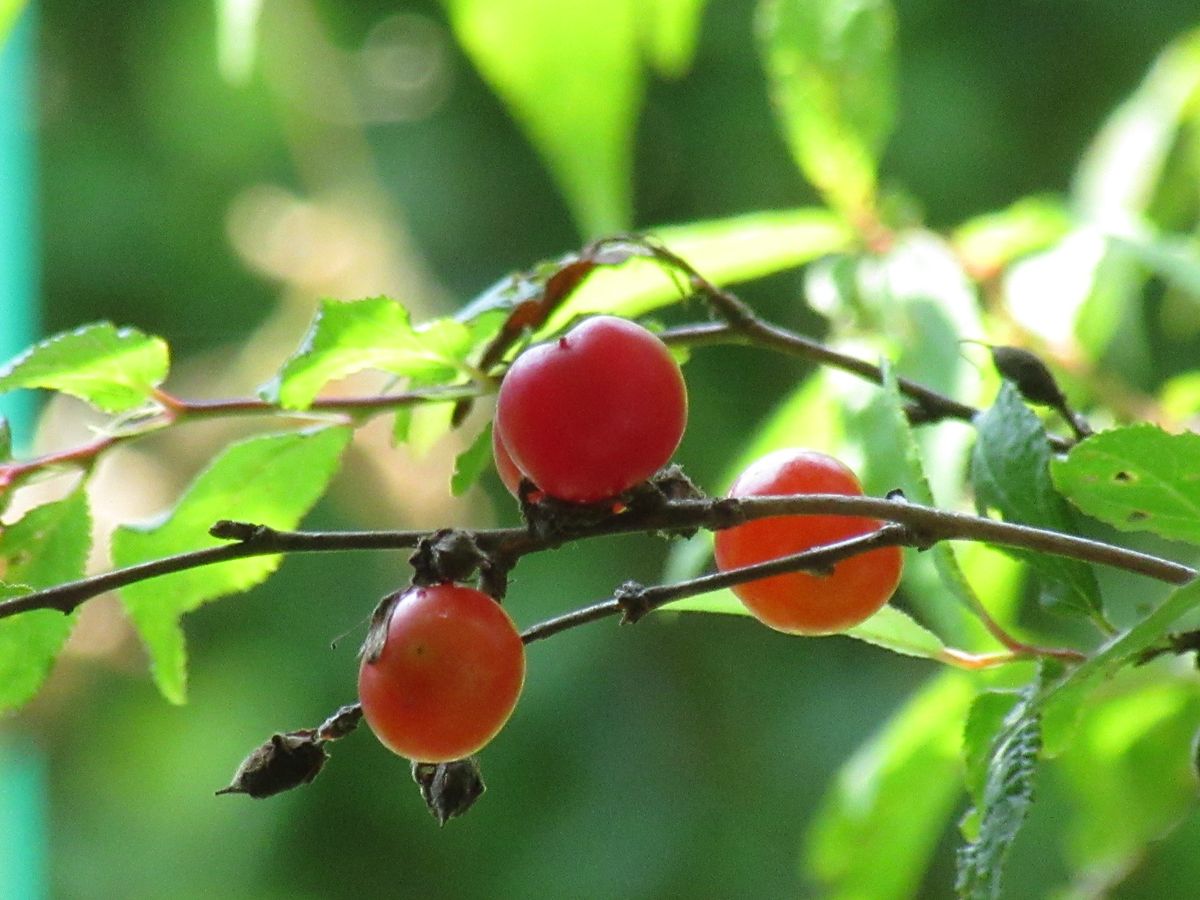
x=1138 y=478
x=114 y=369
x=1121 y=171
x=349 y=337
x=1131 y=762
x=1061 y=701
x=881 y=820
x=987 y=715
x=1011 y=474
x=5 y=439
x=988 y=243
x=48 y=546
x=1173 y=258
x=570 y=72
x=724 y=251
x=889 y=628
x=831 y=67
x=272 y=480
x=1007 y=798
x=471 y=463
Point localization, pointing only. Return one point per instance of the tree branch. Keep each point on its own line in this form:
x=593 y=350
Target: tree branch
x=647 y=512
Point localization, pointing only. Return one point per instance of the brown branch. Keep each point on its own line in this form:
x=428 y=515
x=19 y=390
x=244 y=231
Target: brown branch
x=647 y=512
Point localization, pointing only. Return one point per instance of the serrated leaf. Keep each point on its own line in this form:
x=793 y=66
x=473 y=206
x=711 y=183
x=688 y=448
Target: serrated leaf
x=114 y=369
x=1138 y=478
x=272 y=480
x=472 y=462
x=890 y=801
x=1010 y=471
x=986 y=717
x=575 y=84
x=48 y=546
x=377 y=333
x=1007 y=798
x=831 y=67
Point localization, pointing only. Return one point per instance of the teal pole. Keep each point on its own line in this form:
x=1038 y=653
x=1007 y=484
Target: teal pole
x=22 y=773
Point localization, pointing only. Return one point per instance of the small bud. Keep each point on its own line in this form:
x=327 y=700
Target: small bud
x=1029 y=374
x=282 y=763
x=449 y=789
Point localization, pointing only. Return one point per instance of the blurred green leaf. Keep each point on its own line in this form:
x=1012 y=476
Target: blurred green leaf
x=114 y=369
x=272 y=480
x=9 y=10
x=831 y=67
x=349 y=337
x=724 y=251
x=5 y=439
x=48 y=546
x=1120 y=172
x=1007 y=798
x=1130 y=763
x=471 y=463
x=237 y=38
x=1138 y=478
x=988 y=243
x=881 y=820
x=571 y=74
x=1179 y=397
x=1010 y=470
x=1174 y=258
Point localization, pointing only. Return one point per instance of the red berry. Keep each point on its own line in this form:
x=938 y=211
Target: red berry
x=799 y=602
x=448 y=676
x=509 y=474
x=595 y=412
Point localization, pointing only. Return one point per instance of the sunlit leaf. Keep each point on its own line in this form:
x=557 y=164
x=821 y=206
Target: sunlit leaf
x=571 y=74
x=114 y=369
x=48 y=546
x=1119 y=173
x=989 y=242
x=1130 y=763
x=237 y=38
x=349 y=337
x=1011 y=474
x=724 y=251
x=881 y=820
x=272 y=480
x=1138 y=478
x=831 y=66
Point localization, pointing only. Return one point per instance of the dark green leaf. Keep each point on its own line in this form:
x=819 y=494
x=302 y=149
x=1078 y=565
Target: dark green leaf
x=472 y=462
x=831 y=66
x=273 y=480
x=987 y=715
x=881 y=821
x=1007 y=798
x=5 y=439
x=114 y=369
x=1137 y=478
x=1011 y=474
x=575 y=84
x=48 y=546
x=349 y=337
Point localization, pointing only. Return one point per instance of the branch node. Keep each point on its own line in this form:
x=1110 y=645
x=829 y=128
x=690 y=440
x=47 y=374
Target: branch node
x=631 y=596
x=449 y=554
x=246 y=532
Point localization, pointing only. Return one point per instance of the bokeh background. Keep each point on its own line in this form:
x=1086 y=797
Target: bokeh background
x=213 y=198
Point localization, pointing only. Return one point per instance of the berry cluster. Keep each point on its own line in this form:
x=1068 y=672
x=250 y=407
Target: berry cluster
x=583 y=419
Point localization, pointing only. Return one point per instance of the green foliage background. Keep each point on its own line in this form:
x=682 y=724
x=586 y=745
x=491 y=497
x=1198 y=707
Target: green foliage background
x=695 y=756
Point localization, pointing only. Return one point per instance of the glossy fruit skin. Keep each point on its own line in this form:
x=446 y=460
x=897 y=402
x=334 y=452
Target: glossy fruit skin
x=448 y=676
x=595 y=412
x=799 y=602
x=509 y=474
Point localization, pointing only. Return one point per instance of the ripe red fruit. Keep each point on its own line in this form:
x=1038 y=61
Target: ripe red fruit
x=509 y=474
x=448 y=675
x=799 y=602
x=595 y=412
